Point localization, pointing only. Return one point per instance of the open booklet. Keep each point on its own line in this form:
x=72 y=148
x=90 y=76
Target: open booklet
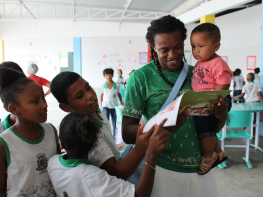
x=195 y=102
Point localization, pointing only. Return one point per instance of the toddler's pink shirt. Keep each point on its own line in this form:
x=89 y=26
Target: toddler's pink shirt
x=207 y=75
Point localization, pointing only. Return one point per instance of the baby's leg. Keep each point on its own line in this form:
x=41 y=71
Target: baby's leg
x=208 y=145
x=217 y=146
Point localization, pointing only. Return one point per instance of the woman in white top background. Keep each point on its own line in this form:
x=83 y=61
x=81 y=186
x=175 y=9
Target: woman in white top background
x=239 y=82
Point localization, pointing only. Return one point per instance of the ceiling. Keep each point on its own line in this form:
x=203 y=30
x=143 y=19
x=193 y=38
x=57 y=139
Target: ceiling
x=121 y=11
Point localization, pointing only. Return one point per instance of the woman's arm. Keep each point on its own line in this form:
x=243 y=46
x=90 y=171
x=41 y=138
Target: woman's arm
x=260 y=96
x=3 y=177
x=239 y=96
x=220 y=112
x=48 y=86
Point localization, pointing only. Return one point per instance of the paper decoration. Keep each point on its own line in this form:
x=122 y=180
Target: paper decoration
x=110 y=55
x=129 y=55
x=99 y=62
x=143 y=58
x=251 y=62
x=104 y=56
x=225 y=59
x=117 y=54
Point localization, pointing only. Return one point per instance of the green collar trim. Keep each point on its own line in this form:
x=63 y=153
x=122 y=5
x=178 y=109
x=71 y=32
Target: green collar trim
x=72 y=163
x=120 y=76
x=251 y=82
x=6 y=122
x=7 y=151
x=28 y=141
x=99 y=122
x=237 y=75
x=114 y=85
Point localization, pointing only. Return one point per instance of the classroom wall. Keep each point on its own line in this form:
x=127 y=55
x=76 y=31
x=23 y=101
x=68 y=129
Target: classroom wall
x=240 y=37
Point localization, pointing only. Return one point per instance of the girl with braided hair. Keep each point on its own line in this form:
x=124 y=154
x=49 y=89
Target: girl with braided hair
x=146 y=92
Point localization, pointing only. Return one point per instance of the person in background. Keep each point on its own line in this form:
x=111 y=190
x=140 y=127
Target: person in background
x=109 y=93
x=32 y=71
x=257 y=77
x=126 y=80
x=239 y=82
x=120 y=79
x=252 y=90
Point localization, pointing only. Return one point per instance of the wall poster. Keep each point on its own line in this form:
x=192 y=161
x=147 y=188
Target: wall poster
x=251 y=62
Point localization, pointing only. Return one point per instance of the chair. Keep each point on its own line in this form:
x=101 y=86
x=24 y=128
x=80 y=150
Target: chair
x=237 y=119
x=239 y=100
x=118 y=113
x=122 y=91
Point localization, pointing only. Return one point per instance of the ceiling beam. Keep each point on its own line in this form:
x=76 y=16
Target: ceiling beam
x=123 y=13
x=28 y=11
x=188 y=5
x=208 y=8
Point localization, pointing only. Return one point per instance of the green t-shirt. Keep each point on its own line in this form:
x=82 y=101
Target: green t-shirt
x=145 y=94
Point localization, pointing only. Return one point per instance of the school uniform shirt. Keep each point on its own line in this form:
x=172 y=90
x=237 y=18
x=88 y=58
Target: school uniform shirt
x=257 y=79
x=110 y=96
x=208 y=75
x=119 y=79
x=239 y=80
x=4 y=124
x=251 y=90
x=78 y=177
x=27 y=162
x=146 y=92
x=106 y=146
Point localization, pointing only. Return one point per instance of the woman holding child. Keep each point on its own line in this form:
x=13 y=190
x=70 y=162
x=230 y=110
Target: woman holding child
x=147 y=90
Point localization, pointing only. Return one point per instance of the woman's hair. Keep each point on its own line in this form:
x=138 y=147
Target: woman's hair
x=9 y=64
x=166 y=24
x=108 y=71
x=238 y=71
x=32 y=69
x=12 y=83
x=79 y=133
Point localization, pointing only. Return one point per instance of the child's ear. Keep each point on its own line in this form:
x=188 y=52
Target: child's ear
x=12 y=108
x=65 y=107
x=217 y=46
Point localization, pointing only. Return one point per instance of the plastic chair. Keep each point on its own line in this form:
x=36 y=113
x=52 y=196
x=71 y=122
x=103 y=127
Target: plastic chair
x=123 y=90
x=239 y=100
x=118 y=113
x=237 y=119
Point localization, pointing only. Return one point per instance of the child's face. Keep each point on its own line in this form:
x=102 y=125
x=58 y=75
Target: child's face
x=108 y=77
x=119 y=72
x=203 y=46
x=81 y=98
x=32 y=104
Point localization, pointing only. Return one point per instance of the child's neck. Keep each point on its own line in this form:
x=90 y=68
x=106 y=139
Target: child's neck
x=109 y=81
x=27 y=129
x=213 y=57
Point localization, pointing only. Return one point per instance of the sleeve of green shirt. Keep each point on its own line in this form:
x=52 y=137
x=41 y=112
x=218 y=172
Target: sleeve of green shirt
x=135 y=98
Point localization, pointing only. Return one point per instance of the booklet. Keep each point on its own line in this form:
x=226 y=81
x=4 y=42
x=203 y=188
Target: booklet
x=194 y=102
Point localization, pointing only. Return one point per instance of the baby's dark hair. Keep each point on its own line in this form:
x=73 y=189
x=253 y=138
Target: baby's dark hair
x=12 y=84
x=9 y=64
x=210 y=28
x=257 y=70
x=61 y=83
x=79 y=133
x=108 y=71
x=166 y=24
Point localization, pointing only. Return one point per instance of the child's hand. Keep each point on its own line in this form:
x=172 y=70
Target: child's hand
x=142 y=139
x=159 y=139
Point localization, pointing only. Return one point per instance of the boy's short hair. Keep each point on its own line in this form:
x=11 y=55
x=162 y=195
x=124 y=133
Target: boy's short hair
x=251 y=76
x=210 y=28
x=108 y=71
x=257 y=70
x=61 y=83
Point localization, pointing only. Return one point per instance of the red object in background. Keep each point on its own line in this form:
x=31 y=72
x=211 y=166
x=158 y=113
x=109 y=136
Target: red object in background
x=149 y=53
x=261 y=115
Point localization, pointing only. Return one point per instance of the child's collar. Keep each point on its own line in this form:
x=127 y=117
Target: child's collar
x=251 y=82
x=114 y=85
x=71 y=163
x=99 y=122
x=120 y=76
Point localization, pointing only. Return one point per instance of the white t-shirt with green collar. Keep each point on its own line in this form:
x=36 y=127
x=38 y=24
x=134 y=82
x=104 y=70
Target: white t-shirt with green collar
x=110 y=96
x=78 y=177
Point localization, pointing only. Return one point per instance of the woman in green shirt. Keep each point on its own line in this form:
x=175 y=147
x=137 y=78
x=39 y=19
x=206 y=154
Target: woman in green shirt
x=147 y=90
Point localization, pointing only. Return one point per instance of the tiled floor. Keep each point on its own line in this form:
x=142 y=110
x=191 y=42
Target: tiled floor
x=234 y=181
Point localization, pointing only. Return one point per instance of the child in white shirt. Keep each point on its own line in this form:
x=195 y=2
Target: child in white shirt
x=74 y=175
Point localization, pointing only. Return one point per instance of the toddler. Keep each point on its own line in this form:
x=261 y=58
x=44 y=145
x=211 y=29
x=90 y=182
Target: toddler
x=211 y=72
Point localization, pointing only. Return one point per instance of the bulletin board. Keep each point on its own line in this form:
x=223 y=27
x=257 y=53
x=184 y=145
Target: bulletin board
x=93 y=65
x=251 y=62
x=143 y=58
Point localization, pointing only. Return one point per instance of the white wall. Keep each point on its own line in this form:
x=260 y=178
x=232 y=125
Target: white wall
x=240 y=37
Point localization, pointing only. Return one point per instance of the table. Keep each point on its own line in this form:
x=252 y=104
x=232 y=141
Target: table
x=251 y=107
